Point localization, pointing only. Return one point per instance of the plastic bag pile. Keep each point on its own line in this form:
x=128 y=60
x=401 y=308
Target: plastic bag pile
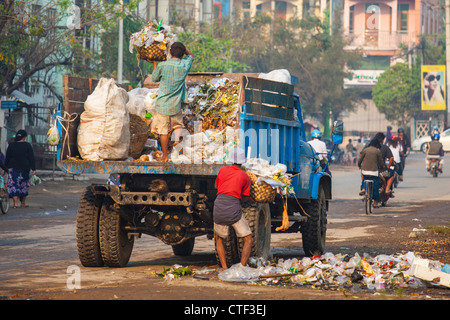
x=274 y=175
x=332 y=271
x=210 y=121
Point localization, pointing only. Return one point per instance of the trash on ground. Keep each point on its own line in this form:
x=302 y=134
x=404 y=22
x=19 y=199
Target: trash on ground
x=425 y=270
x=174 y=272
x=341 y=270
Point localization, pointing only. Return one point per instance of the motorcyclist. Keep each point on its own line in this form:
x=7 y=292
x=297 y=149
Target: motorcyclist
x=386 y=173
x=435 y=130
x=370 y=163
x=435 y=149
x=319 y=147
x=405 y=146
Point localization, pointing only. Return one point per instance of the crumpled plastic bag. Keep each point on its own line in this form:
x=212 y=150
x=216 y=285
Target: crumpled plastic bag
x=279 y=75
x=141 y=101
x=240 y=273
x=53 y=135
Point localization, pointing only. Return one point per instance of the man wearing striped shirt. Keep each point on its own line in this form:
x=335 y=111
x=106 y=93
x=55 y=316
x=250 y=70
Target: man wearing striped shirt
x=172 y=92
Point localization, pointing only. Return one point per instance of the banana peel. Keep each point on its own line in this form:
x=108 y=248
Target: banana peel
x=285 y=222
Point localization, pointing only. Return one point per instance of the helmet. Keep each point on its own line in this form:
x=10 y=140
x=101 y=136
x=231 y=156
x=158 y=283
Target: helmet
x=316 y=134
x=400 y=130
x=436 y=136
x=389 y=127
x=394 y=137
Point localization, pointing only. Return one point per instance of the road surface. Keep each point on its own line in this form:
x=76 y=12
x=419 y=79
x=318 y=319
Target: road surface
x=38 y=255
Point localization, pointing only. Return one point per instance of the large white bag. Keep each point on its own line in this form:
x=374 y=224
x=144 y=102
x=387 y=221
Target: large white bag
x=104 y=130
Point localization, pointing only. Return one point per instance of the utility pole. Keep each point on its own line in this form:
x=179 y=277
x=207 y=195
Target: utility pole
x=120 y=50
x=447 y=53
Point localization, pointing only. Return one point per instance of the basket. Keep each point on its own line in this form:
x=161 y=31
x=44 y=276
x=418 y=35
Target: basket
x=137 y=143
x=152 y=52
x=261 y=192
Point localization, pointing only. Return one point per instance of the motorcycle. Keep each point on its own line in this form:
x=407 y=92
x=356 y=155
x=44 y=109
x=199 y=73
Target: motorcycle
x=434 y=167
x=384 y=196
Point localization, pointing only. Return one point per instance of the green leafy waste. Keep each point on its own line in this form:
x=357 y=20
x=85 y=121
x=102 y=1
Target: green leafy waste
x=176 y=271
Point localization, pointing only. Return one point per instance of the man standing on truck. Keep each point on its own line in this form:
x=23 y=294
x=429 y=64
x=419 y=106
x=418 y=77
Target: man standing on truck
x=233 y=186
x=172 y=92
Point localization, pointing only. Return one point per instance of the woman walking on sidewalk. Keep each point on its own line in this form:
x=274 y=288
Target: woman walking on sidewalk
x=20 y=159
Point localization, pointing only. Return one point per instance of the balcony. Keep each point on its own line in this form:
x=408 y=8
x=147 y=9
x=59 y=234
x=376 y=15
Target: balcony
x=379 y=40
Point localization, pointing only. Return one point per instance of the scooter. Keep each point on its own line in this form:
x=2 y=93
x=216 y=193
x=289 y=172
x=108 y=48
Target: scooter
x=384 y=196
x=434 y=167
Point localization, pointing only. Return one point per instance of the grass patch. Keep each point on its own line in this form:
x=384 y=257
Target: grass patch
x=444 y=230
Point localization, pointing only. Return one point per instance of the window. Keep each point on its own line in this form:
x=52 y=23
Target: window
x=375 y=63
x=403 y=10
x=351 y=23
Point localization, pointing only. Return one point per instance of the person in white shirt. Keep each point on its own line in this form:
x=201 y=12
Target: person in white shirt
x=319 y=147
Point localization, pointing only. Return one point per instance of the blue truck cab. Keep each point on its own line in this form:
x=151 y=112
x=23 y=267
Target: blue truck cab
x=174 y=202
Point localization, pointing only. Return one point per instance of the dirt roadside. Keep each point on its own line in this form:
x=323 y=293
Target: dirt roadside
x=388 y=230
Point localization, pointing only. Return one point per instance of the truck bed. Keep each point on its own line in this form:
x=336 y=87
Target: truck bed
x=138 y=167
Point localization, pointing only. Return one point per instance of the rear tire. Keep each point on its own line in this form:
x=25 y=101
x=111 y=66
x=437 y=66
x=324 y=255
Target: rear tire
x=185 y=248
x=5 y=202
x=115 y=246
x=314 y=230
x=87 y=229
x=230 y=247
x=258 y=219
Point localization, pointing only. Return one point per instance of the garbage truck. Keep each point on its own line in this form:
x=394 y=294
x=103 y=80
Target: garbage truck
x=111 y=216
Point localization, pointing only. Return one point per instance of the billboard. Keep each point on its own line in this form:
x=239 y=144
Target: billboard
x=433 y=88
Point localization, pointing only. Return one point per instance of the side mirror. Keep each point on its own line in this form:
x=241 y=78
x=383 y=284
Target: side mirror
x=337 y=132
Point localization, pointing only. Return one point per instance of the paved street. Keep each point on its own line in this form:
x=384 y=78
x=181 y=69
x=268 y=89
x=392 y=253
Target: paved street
x=38 y=248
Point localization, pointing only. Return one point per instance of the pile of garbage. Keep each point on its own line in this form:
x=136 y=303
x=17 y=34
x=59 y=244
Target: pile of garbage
x=153 y=41
x=274 y=175
x=333 y=271
x=210 y=120
x=210 y=117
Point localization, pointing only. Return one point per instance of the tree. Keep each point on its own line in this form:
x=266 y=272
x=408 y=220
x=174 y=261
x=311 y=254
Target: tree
x=35 y=39
x=211 y=54
x=397 y=93
x=134 y=69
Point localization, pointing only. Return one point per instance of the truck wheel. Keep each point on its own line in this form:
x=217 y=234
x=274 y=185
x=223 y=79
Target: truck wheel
x=258 y=218
x=87 y=229
x=185 y=248
x=314 y=230
x=231 y=250
x=115 y=246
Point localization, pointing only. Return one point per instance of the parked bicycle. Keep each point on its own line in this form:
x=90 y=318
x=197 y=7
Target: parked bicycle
x=4 y=198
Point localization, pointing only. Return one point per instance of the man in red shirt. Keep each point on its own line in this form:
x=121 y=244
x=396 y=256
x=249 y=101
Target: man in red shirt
x=233 y=186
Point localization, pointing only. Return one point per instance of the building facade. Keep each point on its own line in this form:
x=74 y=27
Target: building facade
x=378 y=30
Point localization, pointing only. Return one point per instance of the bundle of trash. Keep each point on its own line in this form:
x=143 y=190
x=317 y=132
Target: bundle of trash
x=274 y=175
x=153 y=42
x=339 y=270
x=210 y=123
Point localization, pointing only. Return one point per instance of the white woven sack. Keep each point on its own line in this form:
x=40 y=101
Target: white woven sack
x=104 y=131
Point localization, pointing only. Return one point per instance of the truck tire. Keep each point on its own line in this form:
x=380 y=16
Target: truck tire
x=115 y=246
x=87 y=229
x=231 y=250
x=185 y=248
x=258 y=219
x=314 y=230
